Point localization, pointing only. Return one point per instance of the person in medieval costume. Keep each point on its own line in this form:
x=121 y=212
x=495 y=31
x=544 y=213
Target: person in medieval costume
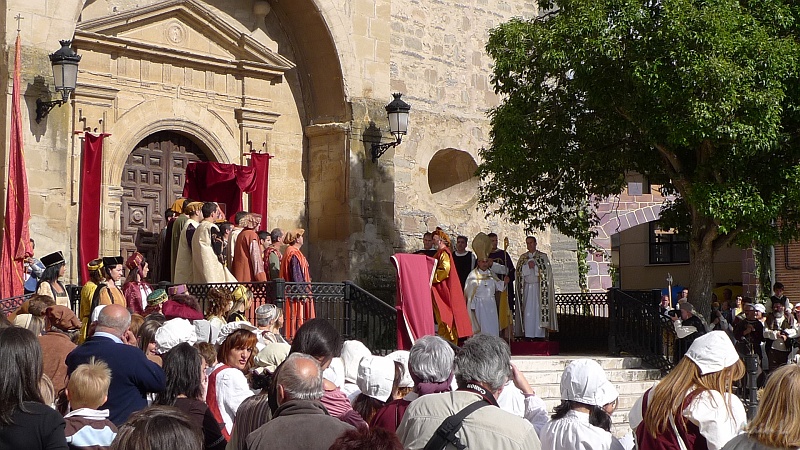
x=184 y=267
x=480 y=287
x=107 y=292
x=206 y=266
x=501 y=264
x=173 y=234
x=535 y=312
x=449 y=305
x=294 y=268
x=248 y=256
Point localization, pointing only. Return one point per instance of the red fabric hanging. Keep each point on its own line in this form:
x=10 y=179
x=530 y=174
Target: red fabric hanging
x=221 y=183
x=16 y=237
x=89 y=207
x=259 y=196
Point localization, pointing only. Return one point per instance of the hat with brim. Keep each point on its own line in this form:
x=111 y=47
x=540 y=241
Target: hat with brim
x=174 y=332
x=62 y=318
x=113 y=261
x=713 y=352
x=53 y=259
x=229 y=328
x=376 y=377
x=584 y=381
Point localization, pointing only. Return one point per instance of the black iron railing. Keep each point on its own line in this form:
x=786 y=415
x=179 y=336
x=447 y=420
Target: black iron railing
x=583 y=322
x=356 y=313
x=638 y=327
x=9 y=305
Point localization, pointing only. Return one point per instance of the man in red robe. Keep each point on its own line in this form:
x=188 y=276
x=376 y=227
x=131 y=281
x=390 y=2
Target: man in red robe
x=449 y=305
x=294 y=268
x=248 y=259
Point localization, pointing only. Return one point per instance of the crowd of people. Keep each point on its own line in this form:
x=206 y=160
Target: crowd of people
x=141 y=367
x=170 y=384
x=768 y=331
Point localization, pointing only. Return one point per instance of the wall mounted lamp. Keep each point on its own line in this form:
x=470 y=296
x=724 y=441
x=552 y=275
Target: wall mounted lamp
x=65 y=76
x=397 y=111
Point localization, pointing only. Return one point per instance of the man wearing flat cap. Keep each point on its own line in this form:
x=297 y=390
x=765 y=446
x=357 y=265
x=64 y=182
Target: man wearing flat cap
x=60 y=325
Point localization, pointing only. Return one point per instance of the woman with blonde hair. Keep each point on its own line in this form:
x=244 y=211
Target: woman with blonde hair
x=776 y=424
x=693 y=407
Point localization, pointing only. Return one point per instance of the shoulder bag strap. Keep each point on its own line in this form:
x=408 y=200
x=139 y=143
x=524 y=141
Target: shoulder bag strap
x=446 y=433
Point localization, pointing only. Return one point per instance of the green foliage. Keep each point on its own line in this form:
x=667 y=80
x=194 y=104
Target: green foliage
x=701 y=97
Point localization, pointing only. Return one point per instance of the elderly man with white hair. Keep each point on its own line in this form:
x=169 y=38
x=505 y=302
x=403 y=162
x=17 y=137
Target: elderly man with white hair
x=482 y=368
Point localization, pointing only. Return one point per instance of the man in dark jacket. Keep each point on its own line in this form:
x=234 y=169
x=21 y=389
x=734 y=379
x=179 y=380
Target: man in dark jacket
x=132 y=374
x=300 y=422
x=688 y=328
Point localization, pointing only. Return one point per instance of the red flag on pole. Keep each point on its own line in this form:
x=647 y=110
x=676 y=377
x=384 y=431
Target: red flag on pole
x=16 y=236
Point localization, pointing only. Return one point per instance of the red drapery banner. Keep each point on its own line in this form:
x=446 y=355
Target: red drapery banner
x=16 y=235
x=259 y=196
x=221 y=183
x=89 y=208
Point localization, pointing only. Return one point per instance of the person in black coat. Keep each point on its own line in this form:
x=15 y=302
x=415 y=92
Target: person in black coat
x=132 y=374
x=688 y=328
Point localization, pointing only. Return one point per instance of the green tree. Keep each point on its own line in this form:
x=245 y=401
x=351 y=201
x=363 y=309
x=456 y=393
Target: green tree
x=701 y=97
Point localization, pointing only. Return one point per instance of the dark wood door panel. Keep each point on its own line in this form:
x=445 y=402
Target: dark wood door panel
x=152 y=179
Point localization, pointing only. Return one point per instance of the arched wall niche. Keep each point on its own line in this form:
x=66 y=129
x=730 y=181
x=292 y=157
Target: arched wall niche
x=451 y=176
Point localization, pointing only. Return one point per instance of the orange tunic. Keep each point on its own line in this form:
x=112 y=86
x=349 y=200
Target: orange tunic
x=244 y=264
x=450 y=306
x=300 y=308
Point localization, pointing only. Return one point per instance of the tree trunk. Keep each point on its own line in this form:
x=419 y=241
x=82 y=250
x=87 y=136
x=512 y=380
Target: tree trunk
x=701 y=283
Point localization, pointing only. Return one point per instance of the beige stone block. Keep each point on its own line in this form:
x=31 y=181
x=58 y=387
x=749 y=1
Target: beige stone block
x=366 y=7
x=379 y=30
x=361 y=25
x=365 y=47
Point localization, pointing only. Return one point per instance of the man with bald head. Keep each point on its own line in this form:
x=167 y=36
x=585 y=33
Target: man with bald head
x=300 y=422
x=132 y=374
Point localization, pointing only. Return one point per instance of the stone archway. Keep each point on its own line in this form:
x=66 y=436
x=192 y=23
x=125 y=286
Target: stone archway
x=152 y=178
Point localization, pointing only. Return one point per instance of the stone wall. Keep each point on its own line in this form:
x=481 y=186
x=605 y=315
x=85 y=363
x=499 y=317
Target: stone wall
x=322 y=116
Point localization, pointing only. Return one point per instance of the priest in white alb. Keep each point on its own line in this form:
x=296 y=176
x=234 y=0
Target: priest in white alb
x=480 y=287
x=535 y=312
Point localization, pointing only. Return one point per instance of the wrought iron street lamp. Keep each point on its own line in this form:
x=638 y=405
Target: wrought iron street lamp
x=65 y=76
x=397 y=111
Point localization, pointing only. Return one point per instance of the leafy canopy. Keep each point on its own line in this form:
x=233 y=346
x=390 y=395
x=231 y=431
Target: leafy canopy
x=700 y=97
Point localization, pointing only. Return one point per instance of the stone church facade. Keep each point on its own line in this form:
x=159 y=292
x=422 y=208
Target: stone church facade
x=306 y=81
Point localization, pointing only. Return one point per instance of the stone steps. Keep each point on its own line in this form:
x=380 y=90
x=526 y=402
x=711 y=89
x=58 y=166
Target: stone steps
x=626 y=373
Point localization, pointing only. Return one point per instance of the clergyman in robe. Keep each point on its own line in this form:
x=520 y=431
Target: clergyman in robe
x=535 y=312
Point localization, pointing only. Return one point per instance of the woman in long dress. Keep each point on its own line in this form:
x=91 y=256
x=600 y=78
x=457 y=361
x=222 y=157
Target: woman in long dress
x=54 y=268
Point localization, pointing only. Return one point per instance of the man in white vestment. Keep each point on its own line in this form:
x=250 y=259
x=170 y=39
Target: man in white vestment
x=535 y=312
x=206 y=265
x=479 y=290
x=183 y=259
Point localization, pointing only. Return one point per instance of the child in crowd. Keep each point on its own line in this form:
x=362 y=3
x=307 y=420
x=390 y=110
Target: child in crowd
x=87 y=428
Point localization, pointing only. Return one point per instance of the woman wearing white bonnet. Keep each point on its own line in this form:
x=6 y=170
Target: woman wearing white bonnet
x=693 y=407
x=352 y=352
x=582 y=421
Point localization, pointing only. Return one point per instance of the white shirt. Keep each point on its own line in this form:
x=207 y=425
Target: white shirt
x=574 y=432
x=232 y=390
x=532 y=408
x=709 y=413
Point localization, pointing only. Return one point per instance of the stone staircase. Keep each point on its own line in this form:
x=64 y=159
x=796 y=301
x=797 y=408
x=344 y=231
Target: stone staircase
x=626 y=373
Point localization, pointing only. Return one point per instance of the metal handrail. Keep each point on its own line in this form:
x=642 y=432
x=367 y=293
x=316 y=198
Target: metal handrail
x=638 y=327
